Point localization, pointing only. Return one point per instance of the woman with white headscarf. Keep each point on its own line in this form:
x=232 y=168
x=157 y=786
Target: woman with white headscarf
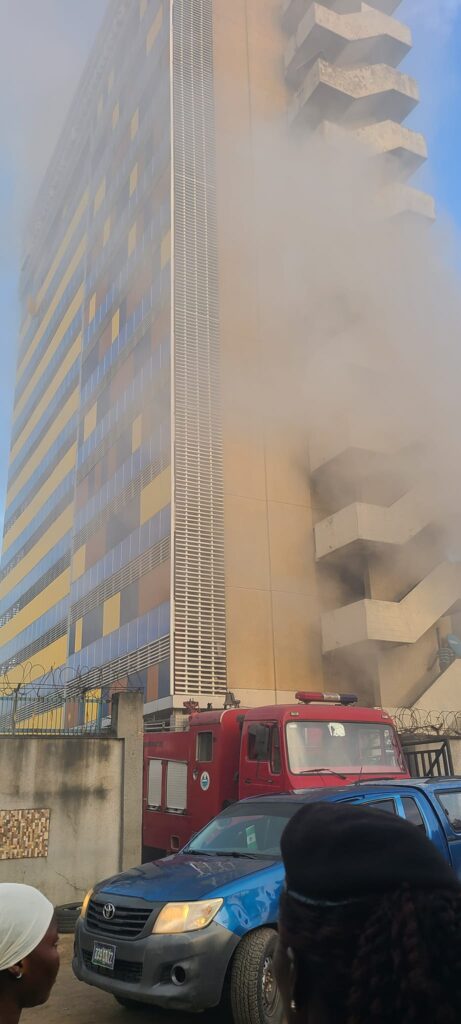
x=29 y=958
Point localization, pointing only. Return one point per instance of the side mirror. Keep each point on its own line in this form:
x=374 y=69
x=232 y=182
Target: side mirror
x=259 y=741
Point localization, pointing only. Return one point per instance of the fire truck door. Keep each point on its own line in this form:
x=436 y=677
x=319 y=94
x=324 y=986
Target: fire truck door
x=261 y=768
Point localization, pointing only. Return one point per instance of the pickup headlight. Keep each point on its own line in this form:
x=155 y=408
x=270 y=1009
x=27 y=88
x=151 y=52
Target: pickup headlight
x=175 y=918
x=85 y=903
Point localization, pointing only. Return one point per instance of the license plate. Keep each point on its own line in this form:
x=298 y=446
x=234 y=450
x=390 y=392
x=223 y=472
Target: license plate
x=103 y=956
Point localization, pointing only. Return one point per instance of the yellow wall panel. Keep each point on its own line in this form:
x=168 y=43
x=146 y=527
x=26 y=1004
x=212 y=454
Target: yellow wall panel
x=132 y=239
x=50 y=657
x=59 y=472
x=48 y=597
x=57 y=530
x=106 y=232
x=136 y=434
x=78 y=635
x=64 y=244
x=92 y=706
x=156 y=495
x=165 y=249
x=134 y=126
x=134 y=179
x=38 y=454
x=115 y=325
x=99 y=196
x=53 y=719
x=111 y=615
x=78 y=562
x=76 y=259
x=50 y=350
x=44 y=402
x=89 y=422
x=154 y=30
x=92 y=308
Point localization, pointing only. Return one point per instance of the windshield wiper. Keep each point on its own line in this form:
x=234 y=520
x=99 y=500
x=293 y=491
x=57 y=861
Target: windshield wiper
x=201 y=853
x=237 y=853
x=320 y=771
x=222 y=853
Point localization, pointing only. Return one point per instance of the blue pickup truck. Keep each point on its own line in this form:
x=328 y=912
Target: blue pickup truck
x=200 y=927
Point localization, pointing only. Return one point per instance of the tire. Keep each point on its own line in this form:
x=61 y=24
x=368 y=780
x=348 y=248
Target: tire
x=254 y=996
x=67 y=917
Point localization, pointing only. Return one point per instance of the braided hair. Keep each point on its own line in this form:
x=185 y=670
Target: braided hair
x=392 y=959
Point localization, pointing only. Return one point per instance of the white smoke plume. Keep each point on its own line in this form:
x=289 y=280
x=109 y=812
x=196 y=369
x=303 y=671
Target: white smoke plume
x=43 y=48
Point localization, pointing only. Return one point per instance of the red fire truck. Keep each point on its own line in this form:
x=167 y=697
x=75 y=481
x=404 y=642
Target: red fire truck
x=225 y=755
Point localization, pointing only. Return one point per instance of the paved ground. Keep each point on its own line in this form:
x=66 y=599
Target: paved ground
x=74 y=1003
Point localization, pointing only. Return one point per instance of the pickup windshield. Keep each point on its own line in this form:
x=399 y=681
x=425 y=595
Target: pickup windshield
x=352 y=747
x=253 y=831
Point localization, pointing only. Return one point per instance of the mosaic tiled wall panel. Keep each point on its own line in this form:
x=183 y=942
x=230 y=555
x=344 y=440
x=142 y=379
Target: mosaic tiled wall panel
x=24 y=833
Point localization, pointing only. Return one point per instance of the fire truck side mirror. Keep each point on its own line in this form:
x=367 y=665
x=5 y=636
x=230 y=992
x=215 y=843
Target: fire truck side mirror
x=258 y=742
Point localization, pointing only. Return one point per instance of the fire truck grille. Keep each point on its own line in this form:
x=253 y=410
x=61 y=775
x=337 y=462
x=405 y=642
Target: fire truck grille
x=126 y=922
x=124 y=970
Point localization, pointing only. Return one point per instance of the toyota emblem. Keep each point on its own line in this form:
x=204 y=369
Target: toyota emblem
x=108 y=911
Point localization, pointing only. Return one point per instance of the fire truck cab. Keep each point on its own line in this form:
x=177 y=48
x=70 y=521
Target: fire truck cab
x=226 y=755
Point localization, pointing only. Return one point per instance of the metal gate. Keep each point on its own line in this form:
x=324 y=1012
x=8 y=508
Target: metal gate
x=428 y=759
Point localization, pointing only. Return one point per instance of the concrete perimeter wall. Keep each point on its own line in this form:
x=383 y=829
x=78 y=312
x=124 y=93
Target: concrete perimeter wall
x=71 y=806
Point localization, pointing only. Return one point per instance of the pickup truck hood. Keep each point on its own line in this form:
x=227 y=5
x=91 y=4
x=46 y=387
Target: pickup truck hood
x=185 y=877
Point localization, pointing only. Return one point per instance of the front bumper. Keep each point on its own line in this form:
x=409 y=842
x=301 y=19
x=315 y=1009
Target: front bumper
x=143 y=967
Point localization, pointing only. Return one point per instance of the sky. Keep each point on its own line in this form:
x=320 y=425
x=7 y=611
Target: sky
x=43 y=48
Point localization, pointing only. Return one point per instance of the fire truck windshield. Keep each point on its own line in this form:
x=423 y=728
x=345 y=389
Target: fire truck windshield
x=352 y=747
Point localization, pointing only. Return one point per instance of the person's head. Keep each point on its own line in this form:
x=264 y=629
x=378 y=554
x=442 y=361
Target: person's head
x=29 y=958
x=370 y=921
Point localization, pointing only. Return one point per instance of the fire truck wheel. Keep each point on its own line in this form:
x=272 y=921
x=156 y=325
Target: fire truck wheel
x=255 y=998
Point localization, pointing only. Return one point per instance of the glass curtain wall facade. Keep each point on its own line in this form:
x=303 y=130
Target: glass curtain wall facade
x=85 y=574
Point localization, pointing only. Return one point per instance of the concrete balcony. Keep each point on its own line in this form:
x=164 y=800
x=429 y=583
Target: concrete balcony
x=352 y=95
x=402 y=201
x=343 y=443
x=367 y=37
x=386 y=6
x=368 y=526
x=406 y=148
x=294 y=10
x=443 y=694
x=388 y=622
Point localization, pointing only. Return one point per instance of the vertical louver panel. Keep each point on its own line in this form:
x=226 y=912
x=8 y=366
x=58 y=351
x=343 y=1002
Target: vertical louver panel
x=199 y=591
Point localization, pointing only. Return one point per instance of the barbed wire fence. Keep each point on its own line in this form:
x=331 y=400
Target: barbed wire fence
x=58 y=700
x=422 y=722
x=35 y=699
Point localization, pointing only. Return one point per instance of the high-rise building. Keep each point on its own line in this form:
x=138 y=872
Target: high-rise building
x=154 y=530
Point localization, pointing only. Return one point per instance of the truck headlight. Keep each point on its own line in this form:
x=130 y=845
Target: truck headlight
x=175 y=918
x=85 y=903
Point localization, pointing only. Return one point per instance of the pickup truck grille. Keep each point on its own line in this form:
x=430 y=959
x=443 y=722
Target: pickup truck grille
x=124 y=970
x=127 y=922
